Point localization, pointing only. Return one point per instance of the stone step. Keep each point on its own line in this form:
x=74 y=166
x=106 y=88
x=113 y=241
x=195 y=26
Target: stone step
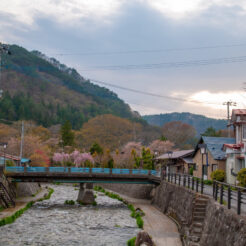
x=193 y=244
x=194 y=238
x=201 y=214
x=198 y=218
x=196 y=230
x=201 y=202
x=199 y=209
x=197 y=224
x=200 y=206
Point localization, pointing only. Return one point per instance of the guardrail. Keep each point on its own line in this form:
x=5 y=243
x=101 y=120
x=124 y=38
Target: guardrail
x=229 y=195
x=18 y=169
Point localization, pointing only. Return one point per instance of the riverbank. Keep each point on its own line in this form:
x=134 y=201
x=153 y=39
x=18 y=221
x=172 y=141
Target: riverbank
x=22 y=202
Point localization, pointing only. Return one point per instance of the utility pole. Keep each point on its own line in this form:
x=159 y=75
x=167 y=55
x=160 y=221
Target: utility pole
x=4 y=49
x=228 y=104
x=22 y=140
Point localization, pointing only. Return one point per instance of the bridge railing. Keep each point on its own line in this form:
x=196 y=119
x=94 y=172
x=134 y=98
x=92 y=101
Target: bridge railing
x=229 y=195
x=18 y=169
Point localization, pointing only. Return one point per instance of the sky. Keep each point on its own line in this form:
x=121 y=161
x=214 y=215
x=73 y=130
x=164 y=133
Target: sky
x=179 y=55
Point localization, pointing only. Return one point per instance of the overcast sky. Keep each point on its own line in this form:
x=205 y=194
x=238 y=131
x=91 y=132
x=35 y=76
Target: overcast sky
x=189 y=49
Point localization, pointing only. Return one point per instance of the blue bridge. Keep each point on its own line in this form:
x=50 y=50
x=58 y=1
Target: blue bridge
x=82 y=175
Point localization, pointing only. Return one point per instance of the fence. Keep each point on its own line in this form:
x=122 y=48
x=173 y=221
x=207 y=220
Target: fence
x=229 y=195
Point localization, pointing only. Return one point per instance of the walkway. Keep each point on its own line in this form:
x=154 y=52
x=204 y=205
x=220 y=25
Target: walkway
x=22 y=202
x=162 y=229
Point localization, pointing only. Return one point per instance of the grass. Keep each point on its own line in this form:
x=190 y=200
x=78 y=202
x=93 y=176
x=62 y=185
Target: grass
x=1 y=208
x=17 y=214
x=131 y=242
x=69 y=202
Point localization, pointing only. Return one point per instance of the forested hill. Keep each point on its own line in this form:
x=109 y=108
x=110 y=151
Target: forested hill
x=41 y=89
x=199 y=122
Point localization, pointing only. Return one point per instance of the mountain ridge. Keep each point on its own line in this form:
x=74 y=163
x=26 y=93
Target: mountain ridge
x=199 y=122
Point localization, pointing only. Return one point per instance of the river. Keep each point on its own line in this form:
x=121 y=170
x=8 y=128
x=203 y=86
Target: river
x=50 y=222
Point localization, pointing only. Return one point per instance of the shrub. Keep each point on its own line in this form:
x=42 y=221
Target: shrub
x=139 y=221
x=131 y=242
x=208 y=182
x=191 y=171
x=218 y=175
x=241 y=177
x=69 y=202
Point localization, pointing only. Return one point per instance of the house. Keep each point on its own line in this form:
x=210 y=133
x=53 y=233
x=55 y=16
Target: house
x=177 y=161
x=235 y=152
x=15 y=159
x=209 y=155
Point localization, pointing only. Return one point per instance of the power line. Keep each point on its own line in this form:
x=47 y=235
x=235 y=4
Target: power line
x=148 y=50
x=205 y=62
x=151 y=94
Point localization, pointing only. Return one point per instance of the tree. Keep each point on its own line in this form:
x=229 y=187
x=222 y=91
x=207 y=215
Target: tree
x=96 y=148
x=211 y=132
x=161 y=147
x=179 y=133
x=67 y=134
x=109 y=131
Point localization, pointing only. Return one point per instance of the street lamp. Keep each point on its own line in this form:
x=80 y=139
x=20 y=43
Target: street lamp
x=204 y=151
x=169 y=153
x=4 y=148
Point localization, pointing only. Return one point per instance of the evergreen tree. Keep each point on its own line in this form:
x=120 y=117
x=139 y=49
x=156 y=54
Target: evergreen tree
x=67 y=134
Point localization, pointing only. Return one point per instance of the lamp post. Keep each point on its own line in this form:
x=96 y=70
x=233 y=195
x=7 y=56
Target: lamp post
x=203 y=149
x=169 y=153
x=4 y=148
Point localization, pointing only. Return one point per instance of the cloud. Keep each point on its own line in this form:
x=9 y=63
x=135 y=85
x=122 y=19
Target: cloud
x=64 y=11
x=179 y=9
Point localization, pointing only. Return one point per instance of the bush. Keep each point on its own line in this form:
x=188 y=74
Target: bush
x=69 y=202
x=139 y=221
x=241 y=177
x=131 y=242
x=218 y=175
x=208 y=182
x=10 y=163
x=191 y=171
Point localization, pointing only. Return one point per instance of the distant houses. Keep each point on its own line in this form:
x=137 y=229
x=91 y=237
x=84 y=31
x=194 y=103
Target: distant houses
x=212 y=153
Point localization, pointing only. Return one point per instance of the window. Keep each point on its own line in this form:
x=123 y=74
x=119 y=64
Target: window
x=244 y=131
x=214 y=167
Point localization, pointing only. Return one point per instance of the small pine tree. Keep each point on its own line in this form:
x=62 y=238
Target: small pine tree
x=67 y=134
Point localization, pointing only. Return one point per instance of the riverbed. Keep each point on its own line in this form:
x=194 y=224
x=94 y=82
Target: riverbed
x=50 y=222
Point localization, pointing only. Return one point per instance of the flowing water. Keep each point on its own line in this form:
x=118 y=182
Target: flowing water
x=50 y=222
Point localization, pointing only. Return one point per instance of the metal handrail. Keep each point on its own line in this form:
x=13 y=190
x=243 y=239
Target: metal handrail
x=221 y=190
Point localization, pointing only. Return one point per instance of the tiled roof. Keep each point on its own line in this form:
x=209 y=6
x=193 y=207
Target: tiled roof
x=239 y=111
x=176 y=154
x=215 y=145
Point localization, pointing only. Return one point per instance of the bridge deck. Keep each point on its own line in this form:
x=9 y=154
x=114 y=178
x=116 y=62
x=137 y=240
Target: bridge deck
x=80 y=175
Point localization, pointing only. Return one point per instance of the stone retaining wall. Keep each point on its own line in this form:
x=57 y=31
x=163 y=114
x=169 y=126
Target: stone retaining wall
x=222 y=227
x=27 y=189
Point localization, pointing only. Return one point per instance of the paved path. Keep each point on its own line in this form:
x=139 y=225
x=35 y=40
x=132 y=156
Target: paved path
x=22 y=202
x=162 y=229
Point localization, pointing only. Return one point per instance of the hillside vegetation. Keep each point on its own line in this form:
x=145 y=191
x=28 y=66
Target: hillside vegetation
x=41 y=89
